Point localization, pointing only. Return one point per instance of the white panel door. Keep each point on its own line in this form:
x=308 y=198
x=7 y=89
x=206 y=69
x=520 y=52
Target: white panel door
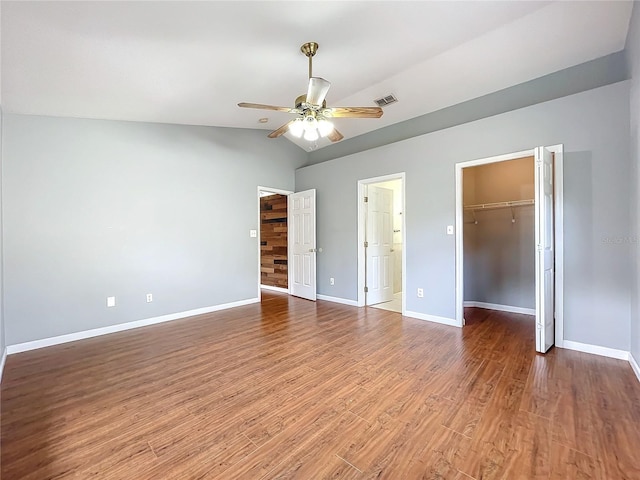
x=302 y=244
x=545 y=306
x=379 y=238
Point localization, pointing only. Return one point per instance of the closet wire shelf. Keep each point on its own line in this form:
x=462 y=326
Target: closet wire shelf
x=491 y=206
x=487 y=206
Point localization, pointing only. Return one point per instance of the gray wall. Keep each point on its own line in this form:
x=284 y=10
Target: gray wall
x=594 y=128
x=633 y=56
x=96 y=208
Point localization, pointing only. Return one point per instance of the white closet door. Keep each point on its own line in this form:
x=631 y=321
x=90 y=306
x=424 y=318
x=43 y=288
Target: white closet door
x=545 y=288
x=379 y=238
x=302 y=242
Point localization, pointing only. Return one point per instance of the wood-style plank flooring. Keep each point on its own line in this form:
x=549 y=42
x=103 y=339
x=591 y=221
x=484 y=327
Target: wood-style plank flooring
x=295 y=389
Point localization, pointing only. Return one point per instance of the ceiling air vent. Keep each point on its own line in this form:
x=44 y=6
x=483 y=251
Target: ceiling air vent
x=386 y=100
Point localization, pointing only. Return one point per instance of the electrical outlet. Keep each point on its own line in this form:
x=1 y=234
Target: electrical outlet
x=332 y=281
x=111 y=301
x=420 y=293
x=149 y=297
x=253 y=233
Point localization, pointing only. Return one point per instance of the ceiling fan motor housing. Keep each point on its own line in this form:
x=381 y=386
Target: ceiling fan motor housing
x=303 y=99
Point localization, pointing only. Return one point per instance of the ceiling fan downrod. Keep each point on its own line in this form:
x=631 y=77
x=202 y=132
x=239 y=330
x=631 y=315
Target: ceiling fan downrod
x=309 y=49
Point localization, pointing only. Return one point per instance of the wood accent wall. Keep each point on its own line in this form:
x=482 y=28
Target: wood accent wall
x=273 y=241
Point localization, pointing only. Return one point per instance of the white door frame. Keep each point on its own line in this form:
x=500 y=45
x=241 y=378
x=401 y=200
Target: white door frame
x=558 y=201
x=278 y=289
x=361 y=235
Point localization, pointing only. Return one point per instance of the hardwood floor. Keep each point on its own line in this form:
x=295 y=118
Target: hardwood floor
x=295 y=389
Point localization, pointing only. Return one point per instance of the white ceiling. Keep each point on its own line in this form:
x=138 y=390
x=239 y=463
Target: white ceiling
x=192 y=62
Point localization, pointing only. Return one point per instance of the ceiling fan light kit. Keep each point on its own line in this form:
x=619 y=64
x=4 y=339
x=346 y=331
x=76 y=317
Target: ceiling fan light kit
x=311 y=109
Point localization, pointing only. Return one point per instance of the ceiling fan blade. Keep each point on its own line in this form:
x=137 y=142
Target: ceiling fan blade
x=318 y=88
x=354 y=112
x=335 y=136
x=280 y=131
x=264 y=107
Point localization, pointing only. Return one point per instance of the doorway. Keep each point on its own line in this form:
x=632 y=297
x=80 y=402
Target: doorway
x=381 y=239
x=514 y=266
x=273 y=239
x=498 y=236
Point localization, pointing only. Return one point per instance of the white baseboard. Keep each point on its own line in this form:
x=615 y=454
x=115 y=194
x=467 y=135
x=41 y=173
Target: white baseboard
x=501 y=308
x=344 y=301
x=72 y=337
x=634 y=366
x=275 y=289
x=432 y=318
x=595 y=350
x=2 y=360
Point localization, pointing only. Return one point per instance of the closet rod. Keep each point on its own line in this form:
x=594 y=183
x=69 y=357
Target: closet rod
x=489 y=206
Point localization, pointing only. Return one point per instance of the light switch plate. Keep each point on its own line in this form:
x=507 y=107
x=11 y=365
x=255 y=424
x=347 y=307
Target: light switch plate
x=111 y=301
x=253 y=233
x=449 y=229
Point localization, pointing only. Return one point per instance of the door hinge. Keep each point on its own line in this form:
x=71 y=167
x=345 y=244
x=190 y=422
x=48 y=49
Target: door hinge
x=366 y=199
x=366 y=289
x=366 y=244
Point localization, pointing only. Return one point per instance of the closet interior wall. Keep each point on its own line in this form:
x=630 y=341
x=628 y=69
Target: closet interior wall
x=499 y=242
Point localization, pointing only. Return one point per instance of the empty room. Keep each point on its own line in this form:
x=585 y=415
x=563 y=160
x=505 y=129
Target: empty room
x=319 y=239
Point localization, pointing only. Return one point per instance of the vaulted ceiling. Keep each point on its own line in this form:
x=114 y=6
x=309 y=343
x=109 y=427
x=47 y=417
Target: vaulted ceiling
x=192 y=62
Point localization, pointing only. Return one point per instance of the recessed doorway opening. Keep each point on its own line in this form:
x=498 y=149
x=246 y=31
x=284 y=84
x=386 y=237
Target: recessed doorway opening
x=514 y=260
x=381 y=238
x=273 y=240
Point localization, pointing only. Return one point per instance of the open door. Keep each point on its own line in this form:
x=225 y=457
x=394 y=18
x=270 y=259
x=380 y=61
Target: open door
x=545 y=288
x=379 y=244
x=302 y=244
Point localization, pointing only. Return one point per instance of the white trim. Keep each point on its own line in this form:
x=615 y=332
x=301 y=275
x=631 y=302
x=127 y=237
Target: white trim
x=344 y=301
x=72 y=337
x=432 y=318
x=361 y=235
x=558 y=216
x=274 y=190
x=634 y=366
x=501 y=308
x=459 y=253
x=497 y=158
x=275 y=289
x=2 y=361
x=596 y=350
x=279 y=192
x=361 y=254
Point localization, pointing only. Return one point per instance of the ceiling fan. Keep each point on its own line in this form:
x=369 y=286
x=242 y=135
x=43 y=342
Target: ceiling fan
x=312 y=114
